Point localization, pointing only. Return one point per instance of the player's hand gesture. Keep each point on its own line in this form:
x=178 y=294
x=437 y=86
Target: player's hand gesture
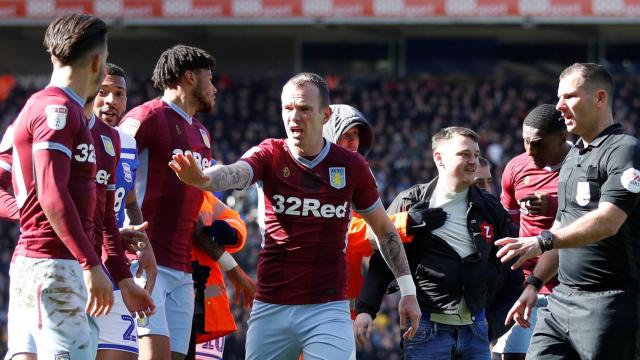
x=244 y=286
x=136 y=241
x=187 y=170
x=524 y=248
x=362 y=326
x=136 y=299
x=99 y=290
x=409 y=313
x=521 y=311
x=133 y=237
x=535 y=204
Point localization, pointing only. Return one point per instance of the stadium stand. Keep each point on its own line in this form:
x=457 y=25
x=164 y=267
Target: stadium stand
x=404 y=113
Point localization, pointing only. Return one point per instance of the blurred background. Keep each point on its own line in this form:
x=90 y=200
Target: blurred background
x=411 y=66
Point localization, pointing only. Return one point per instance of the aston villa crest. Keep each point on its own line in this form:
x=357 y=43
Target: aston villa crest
x=205 y=139
x=108 y=145
x=337 y=177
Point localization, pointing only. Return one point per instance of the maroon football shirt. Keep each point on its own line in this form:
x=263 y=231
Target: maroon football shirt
x=54 y=166
x=171 y=207
x=304 y=213
x=519 y=179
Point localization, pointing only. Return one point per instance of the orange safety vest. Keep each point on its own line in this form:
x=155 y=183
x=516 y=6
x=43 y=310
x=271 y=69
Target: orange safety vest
x=359 y=247
x=218 y=319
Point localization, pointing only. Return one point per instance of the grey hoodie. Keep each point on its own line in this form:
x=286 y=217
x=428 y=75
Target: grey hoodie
x=343 y=118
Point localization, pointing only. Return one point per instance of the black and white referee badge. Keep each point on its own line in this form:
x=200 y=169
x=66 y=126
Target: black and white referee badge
x=56 y=116
x=630 y=180
x=583 y=194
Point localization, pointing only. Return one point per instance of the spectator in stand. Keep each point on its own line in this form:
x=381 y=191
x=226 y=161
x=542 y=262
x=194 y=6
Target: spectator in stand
x=484 y=179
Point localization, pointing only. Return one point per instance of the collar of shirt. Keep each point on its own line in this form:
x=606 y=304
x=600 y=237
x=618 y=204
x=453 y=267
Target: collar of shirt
x=72 y=94
x=177 y=109
x=611 y=129
x=92 y=120
x=443 y=197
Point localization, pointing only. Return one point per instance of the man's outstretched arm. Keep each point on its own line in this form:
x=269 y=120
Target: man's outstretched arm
x=216 y=178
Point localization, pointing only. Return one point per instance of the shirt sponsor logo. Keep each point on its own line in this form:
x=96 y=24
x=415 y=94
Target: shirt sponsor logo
x=337 y=177
x=630 y=180
x=130 y=126
x=583 y=194
x=108 y=145
x=86 y=152
x=56 y=116
x=307 y=207
x=203 y=162
x=102 y=177
x=205 y=138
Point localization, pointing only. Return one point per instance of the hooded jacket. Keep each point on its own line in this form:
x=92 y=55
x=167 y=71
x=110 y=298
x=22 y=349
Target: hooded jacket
x=343 y=118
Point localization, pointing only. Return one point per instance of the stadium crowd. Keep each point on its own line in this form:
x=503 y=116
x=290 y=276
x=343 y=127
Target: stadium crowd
x=404 y=113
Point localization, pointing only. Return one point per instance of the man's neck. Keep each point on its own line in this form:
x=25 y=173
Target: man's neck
x=306 y=151
x=602 y=124
x=451 y=186
x=74 y=79
x=561 y=155
x=180 y=98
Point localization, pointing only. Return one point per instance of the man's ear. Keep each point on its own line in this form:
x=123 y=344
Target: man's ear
x=189 y=77
x=326 y=114
x=602 y=98
x=437 y=159
x=96 y=59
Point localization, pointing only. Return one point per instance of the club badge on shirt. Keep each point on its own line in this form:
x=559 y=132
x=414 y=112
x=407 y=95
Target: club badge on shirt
x=337 y=177
x=205 y=138
x=126 y=169
x=56 y=116
x=108 y=145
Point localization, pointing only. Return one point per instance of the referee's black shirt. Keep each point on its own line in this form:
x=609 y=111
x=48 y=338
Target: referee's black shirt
x=608 y=170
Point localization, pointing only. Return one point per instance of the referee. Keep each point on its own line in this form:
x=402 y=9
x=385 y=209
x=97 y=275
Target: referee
x=593 y=245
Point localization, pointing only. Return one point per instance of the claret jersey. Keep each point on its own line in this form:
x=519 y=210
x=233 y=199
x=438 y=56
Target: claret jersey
x=162 y=129
x=304 y=213
x=54 y=155
x=107 y=236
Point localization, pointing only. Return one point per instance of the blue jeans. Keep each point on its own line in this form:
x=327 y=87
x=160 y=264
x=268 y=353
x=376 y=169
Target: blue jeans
x=440 y=341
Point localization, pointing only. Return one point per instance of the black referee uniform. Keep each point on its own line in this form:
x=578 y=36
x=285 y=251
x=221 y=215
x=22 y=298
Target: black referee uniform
x=592 y=314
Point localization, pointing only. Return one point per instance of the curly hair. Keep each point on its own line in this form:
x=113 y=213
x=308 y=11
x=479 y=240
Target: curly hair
x=173 y=63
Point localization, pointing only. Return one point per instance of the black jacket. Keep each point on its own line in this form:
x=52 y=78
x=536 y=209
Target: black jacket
x=442 y=277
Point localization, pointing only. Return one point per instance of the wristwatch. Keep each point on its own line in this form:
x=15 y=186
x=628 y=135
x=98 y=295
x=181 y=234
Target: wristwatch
x=545 y=240
x=533 y=280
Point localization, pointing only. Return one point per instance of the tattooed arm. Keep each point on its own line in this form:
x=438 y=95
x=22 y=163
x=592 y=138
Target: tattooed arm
x=392 y=251
x=388 y=242
x=216 y=178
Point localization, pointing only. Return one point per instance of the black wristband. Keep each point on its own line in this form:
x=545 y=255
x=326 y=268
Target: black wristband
x=545 y=240
x=533 y=280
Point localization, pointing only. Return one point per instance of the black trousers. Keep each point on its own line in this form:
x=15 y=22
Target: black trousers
x=586 y=325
